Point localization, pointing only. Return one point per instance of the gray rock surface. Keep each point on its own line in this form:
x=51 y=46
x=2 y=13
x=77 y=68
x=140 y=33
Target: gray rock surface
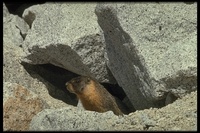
x=66 y=37
x=21 y=103
x=5 y=12
x=14 y=28
x=146 y=43
x=180 y=115
x=14 y=71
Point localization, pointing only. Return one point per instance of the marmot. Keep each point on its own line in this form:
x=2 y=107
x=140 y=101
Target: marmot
x=93 y=95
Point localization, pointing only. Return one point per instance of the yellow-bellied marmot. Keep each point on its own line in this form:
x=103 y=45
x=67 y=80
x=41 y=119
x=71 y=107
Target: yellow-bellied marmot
x=93 y=95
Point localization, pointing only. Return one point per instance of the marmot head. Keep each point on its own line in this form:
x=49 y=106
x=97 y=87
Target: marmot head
x=76 y=85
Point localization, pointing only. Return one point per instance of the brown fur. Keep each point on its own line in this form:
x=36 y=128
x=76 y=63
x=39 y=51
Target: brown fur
x=93 y=95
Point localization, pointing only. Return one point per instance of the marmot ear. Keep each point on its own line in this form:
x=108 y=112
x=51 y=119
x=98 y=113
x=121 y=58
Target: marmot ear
x=82 y=87
x=88 y=79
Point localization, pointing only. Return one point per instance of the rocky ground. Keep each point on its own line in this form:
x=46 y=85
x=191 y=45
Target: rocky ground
x=181 y=115
x=143 y=53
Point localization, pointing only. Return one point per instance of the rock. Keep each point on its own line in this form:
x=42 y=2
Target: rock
x=15 y=72
x=147 y=43
x=5 y=12
x=14 y=28
x=19 y=107
x=11 y=50
x=66 y=37
x=182 y=82
x=70 y=119
x=180 y=115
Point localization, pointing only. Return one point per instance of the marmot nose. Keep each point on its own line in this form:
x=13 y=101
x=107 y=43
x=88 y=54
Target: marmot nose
x=66 y=84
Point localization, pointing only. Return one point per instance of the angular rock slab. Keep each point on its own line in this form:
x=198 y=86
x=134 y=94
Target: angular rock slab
x=66 y=35
x=14 y=28
x=146 y=43
x=12 y=52
x=14 y=71
x=5 y=11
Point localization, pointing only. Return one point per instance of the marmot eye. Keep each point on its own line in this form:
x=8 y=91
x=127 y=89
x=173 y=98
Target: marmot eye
x=77 y=81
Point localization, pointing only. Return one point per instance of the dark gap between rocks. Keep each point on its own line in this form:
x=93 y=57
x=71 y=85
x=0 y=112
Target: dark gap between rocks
x=22 y=35
x=17 y=8
x=55 y=76
x=115 y=90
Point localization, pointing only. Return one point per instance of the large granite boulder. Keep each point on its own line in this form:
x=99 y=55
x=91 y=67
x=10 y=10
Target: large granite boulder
x=147 y=44
x=68 y=36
